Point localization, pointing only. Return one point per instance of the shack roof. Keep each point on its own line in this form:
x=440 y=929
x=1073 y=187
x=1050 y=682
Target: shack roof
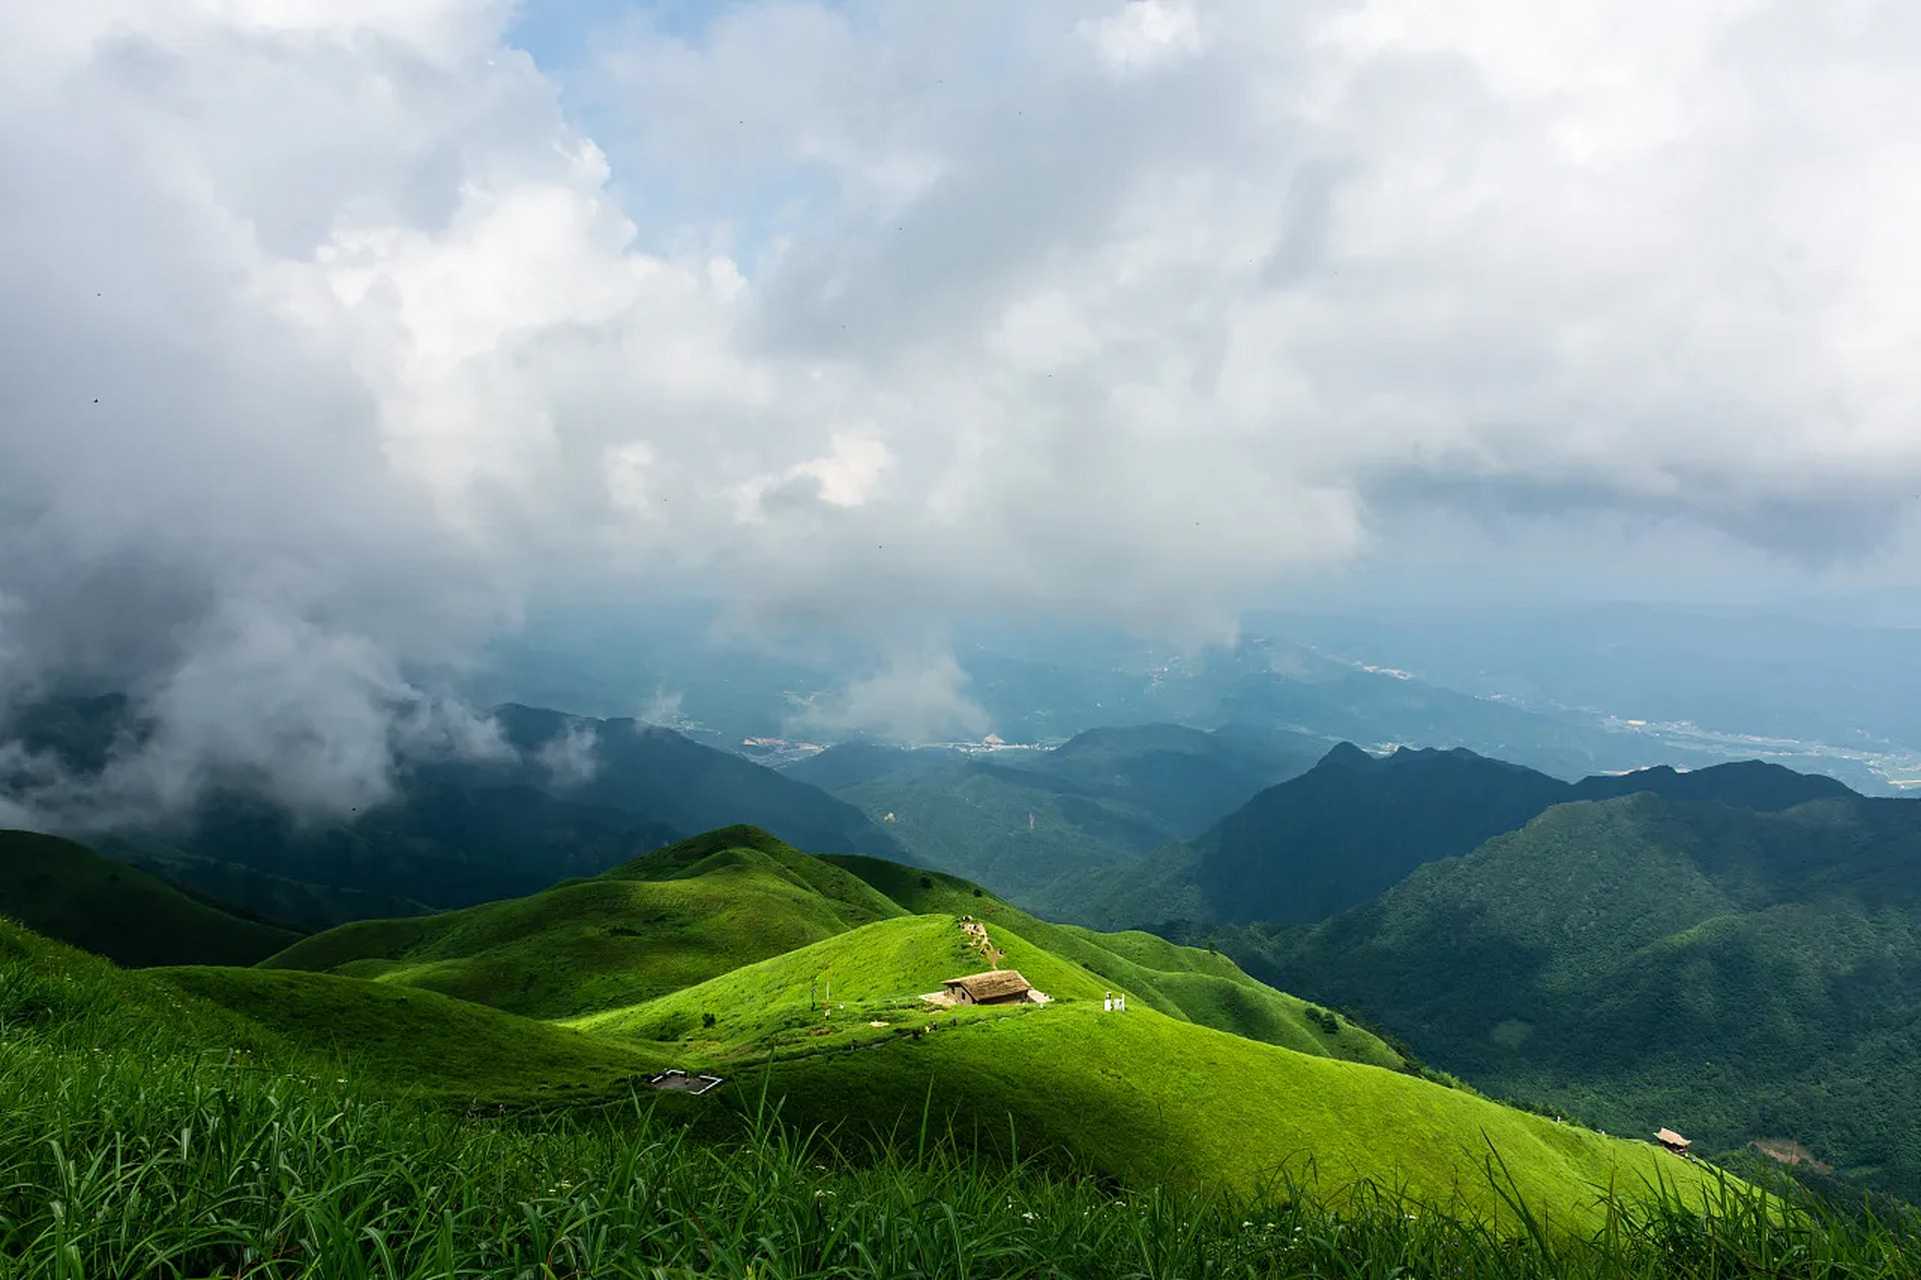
x=1670 y=1138
x=991 y=985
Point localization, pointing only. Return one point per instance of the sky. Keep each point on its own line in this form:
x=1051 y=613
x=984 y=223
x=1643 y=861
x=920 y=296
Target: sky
x=338 y=334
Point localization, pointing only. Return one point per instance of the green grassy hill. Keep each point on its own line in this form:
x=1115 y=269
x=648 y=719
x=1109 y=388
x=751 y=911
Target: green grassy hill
x=828 y=994
x=1136 y=1095
x=706 y=907
x=1144 y=1095
x=313 y=1026
x=664 y=921
x=1185 y=983
x=837 y=1032
x=1739 y=976
x=67 y=891
x=151 y=1123
x=420 y=1042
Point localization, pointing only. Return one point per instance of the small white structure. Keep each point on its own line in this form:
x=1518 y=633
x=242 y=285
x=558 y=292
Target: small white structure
x=680 y=1082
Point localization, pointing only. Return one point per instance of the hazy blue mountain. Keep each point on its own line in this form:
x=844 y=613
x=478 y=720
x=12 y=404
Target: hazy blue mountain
x=441 y=842
x=1028 y=822
x=1185 y=778
x=669 y=779
x=1548 y=690
x=1745 y=784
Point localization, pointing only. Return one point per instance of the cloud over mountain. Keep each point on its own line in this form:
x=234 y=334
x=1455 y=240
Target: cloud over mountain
x=333 y=331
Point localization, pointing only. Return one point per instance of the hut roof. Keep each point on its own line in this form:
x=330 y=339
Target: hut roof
x=1671 y=1138
x=991 y=985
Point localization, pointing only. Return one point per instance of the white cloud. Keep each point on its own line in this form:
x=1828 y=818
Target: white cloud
x=570 y=757
x=1145 y=34
x=848 y=474
x=662 y=707
x=1139 y=309
x=919 y=696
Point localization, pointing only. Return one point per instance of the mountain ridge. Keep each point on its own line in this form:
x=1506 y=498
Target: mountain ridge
x=1355 y=825
x=66 y=891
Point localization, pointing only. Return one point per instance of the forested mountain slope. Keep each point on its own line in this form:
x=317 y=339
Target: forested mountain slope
x=1356 y=824
x=1741 y=976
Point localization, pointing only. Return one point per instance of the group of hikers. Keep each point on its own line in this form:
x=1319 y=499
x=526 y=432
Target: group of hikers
x=1114 y=1003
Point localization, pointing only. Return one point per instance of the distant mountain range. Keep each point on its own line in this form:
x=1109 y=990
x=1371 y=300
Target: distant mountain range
x=1288 y=673
x=1030 y=822
x=579 y=796
x=1356 y=824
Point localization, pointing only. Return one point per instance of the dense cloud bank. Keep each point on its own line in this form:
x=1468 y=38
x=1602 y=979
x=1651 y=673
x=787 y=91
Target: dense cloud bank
x=333 y=330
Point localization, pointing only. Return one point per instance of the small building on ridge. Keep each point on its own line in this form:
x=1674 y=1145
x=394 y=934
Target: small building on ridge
x=998 y=986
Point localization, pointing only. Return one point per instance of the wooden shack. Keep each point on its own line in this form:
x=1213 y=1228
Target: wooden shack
x=1673 y=1141
x=999 y=986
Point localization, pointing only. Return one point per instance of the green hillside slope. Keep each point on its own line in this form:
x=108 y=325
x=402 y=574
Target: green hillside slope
x=310 y=1025
x=301 y=903
x=837 y=1034
x=1142 y=1097
x=147 y=1130
x=1739 y=976
x=67 y=891
x=1185 y=983
x=707 y=906
x=664 y=921
x=416 y=1041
